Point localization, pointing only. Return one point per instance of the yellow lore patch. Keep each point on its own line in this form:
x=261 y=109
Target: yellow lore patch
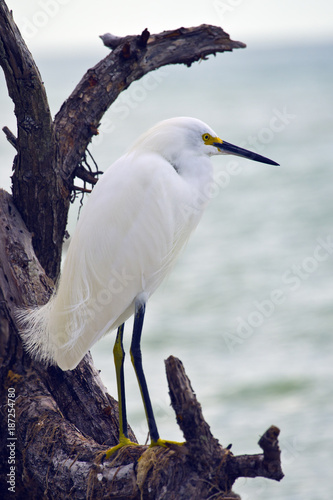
x=209 y=140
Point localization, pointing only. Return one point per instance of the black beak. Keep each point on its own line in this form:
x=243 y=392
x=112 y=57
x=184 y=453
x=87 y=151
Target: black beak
x=227 y=148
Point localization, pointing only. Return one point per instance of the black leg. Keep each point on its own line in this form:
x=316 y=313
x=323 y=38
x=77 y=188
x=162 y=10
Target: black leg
x=137 y=363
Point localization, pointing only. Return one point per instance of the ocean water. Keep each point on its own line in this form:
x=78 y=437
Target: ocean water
x=248 y=307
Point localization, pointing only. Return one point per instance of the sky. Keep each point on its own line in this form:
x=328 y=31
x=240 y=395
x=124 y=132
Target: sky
x=71 y=25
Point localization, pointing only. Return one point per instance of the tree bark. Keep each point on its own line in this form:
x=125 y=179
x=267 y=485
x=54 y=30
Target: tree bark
x=57 y=425
x=35 y=170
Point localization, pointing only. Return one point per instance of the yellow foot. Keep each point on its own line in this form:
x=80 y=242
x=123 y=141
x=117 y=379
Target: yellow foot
x=165 y=443
x=124 y=441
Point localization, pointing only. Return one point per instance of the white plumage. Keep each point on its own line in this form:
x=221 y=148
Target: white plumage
x=137 y=219
x=132 y=227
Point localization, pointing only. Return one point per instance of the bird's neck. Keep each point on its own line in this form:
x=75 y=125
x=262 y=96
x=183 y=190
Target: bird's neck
x=197 y=172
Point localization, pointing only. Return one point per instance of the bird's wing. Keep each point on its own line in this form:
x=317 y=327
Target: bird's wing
x=128 y=234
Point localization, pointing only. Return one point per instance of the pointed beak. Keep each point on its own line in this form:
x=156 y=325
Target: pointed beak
x=227 y=148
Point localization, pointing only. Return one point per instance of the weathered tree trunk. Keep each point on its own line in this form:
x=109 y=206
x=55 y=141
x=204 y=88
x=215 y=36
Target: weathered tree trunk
x=56 y=425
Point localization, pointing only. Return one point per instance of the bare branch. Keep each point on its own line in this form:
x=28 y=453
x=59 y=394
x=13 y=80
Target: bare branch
x=199 y=438
x=10 y=137
x=187 y=408
x=133 y=57
x=266 y=465
x=112 y=41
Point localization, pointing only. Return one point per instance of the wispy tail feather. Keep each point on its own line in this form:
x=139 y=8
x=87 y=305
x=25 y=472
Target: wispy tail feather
x=35 y=334
x=53 y=337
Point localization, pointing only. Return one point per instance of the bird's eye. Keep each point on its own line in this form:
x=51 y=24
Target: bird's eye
x=206 y=137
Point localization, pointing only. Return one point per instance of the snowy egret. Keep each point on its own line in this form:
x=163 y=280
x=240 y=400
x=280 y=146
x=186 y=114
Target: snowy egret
x=134 y=224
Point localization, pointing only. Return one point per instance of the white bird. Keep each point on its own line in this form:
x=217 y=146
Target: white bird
x=134 y=224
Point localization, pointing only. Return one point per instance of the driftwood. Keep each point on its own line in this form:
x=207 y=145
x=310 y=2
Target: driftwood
x=57 y=425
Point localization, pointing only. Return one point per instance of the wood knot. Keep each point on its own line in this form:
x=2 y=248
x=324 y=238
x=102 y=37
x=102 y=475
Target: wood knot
x=92 y=80
x=93 y=129
x=143 y=39
x=126 y=51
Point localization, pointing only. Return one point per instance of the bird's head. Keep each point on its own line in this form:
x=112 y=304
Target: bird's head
x=181 y=137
